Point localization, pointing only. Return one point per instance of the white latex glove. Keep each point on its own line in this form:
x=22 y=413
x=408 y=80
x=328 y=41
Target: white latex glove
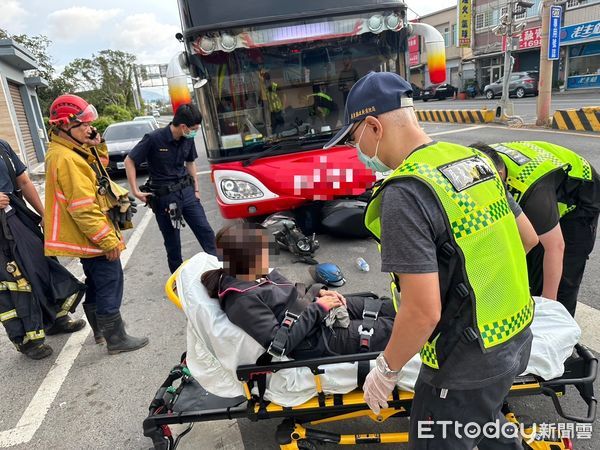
x=377 y=388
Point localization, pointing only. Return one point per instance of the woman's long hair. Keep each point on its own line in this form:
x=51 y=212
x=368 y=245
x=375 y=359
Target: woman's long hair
x=238 y=245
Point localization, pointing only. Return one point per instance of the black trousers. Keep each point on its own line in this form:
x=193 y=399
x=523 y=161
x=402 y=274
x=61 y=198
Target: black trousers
x=346 y=341
x=579 y=234
x=194 y=216
x=439 y=418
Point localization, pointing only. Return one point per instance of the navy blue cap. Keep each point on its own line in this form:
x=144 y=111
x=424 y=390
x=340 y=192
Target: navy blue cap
x=374 y=94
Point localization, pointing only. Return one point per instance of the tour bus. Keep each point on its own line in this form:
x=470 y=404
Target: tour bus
x=271 y=79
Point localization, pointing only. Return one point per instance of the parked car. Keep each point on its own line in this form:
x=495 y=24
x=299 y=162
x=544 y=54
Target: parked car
x=121 y=138
x=417 y=91
x=438 y=91
x=150 y=119
x=520 y=85
x=156 y=113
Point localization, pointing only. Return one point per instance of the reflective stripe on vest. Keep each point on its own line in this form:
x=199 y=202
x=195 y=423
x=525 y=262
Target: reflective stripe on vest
x=526 y=163
x=473 y=199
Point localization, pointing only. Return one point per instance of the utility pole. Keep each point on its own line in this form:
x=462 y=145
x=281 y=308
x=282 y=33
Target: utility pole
x=508 y=28
x=137 y=94
x=544 y=100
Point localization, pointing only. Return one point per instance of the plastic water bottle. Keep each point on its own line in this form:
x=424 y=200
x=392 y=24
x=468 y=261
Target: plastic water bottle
x=362 y=264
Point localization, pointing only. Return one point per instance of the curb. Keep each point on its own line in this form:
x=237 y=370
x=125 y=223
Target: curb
x=456 y=115
x=583 y=119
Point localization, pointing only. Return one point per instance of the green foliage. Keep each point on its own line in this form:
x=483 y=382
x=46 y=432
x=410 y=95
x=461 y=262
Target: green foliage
x=102 y=122
x=117 y=113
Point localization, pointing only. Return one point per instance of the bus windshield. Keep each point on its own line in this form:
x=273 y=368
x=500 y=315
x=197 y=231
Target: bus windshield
x=260 y=96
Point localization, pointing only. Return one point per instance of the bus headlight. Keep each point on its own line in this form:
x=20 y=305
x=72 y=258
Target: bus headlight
x=240 y=190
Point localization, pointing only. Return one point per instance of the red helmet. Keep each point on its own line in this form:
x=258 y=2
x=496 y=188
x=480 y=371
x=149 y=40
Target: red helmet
x=69 y=108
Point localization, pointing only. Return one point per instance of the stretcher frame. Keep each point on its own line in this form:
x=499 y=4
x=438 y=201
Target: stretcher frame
x=296 y=429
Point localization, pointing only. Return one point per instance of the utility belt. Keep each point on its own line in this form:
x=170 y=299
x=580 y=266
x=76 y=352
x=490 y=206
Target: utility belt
x=162 y=190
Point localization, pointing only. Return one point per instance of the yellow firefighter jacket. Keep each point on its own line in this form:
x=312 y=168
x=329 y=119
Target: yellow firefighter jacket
x=76 y=221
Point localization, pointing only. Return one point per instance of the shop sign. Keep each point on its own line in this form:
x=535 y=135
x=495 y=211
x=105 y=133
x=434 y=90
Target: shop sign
x=531 y=38
x=583 y=82
x=413 y=50
x=588 y=31
x=465 y=13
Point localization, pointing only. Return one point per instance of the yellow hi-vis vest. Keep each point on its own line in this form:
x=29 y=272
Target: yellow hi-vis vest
x=488 y=297
x=528 y=162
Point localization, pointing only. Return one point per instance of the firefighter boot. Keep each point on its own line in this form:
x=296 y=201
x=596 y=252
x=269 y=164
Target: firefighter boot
x=65 y=324
x=117 y=340
x=90 y=313
x=35 y=349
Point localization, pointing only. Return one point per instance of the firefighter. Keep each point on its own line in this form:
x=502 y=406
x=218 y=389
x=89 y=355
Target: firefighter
x=83 y=211
x=560 y=193
x=450 y=241
x=172 y=190
x=36 y=293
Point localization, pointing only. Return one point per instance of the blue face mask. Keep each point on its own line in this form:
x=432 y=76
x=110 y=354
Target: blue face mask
x=373 y=163
x=191 y=135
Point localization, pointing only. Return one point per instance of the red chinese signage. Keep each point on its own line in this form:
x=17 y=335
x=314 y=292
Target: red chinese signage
x=413 y=50
x=531 y=38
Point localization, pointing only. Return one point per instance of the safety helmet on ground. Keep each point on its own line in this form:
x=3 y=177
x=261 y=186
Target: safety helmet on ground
x=69 y=108
x=327 y=273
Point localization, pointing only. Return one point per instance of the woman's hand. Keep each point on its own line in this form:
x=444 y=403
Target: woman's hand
x=329 y=302
x=4 y=200
x=326 y=293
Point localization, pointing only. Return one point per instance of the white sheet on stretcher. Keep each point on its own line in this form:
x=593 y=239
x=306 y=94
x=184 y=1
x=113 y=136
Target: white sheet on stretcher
x=216 y=347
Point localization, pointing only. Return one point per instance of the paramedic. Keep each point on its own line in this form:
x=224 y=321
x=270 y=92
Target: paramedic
x=449 y=239
x=173 y=194
x=560 y=193
x=78 y=217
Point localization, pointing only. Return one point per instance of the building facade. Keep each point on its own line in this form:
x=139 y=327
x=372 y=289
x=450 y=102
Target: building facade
x=580 y=45
x=21 y=122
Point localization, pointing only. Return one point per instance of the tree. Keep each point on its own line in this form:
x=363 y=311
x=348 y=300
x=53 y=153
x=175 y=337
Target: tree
x=38 y=46
x=105 y=79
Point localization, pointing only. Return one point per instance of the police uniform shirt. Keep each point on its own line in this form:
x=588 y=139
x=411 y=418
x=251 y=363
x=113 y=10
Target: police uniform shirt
x=413 y=224
x=6 y=184
x=165 y=155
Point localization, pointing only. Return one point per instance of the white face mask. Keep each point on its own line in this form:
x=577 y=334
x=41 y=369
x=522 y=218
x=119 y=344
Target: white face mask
x=373 y=163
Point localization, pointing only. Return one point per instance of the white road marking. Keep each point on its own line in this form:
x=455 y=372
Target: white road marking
x=588 y=319
x=41 y=402
x=536 y=130
x=460 y=130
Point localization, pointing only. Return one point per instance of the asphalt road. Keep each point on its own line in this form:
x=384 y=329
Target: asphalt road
x=83 y=398
x=524 y=107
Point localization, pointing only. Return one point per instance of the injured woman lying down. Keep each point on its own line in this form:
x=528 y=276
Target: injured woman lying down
x=279 y=315
x=235 y=311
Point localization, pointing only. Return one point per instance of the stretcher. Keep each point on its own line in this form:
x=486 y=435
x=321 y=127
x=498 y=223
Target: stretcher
x=182 y=400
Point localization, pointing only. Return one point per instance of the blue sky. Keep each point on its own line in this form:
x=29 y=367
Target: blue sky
x=145 y=28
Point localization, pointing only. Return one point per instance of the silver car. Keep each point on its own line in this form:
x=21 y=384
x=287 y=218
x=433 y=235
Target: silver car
x=121 y=138
x=520 y=85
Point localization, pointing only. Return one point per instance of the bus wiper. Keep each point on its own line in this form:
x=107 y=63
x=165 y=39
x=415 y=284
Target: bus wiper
x=284 y=143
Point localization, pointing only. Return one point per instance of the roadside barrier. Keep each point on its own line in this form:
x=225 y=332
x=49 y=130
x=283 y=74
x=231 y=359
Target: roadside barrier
x=584 y=119
x=456 y=115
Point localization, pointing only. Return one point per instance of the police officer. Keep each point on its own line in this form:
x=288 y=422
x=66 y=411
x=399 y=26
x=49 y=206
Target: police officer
x=173 y=187
x=560 y=193
x=449 y=239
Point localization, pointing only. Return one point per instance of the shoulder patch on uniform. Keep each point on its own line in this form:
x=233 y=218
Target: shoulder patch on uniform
x=467 y=172
x=517 y=157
